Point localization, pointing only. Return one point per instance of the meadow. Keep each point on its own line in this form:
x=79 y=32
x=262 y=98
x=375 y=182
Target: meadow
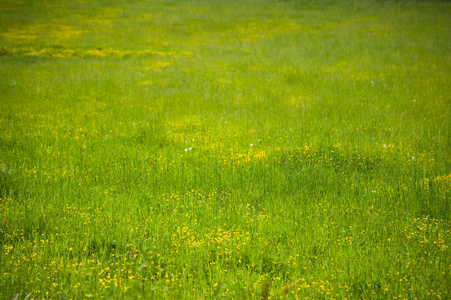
x=210 y=149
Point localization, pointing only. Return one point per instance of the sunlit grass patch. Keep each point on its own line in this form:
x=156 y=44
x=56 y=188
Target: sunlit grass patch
x=243 y=150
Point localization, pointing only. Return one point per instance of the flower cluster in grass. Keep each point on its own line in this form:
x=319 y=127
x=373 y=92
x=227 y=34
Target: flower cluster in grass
x=192 y=244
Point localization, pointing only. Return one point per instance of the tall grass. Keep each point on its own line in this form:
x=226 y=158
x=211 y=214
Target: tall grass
x=239 y=149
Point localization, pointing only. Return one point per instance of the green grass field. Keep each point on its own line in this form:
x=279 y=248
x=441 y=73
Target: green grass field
x=254 y=149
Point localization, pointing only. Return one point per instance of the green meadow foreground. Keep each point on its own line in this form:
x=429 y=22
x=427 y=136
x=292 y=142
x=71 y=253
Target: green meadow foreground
x=225 y=149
